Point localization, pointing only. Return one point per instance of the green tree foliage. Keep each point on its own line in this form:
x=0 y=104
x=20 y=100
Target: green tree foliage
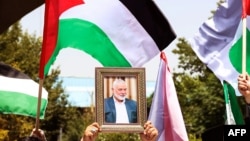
x=22 y=51
x=120 y=136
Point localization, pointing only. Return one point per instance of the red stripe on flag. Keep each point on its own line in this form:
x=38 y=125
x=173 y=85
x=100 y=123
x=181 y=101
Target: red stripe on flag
x=53 y=9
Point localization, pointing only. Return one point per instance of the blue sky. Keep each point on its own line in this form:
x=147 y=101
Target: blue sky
x=185 y=17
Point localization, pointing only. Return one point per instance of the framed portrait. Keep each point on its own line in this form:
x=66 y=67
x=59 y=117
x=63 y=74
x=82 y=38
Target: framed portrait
x=120 y=99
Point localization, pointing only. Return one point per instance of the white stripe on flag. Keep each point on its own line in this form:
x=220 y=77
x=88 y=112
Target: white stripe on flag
x=25 y=86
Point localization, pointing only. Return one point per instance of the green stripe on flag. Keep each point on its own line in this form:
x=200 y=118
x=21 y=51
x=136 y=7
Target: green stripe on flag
x=235 y=53
x=21 y=104
x=87 y=37
x=232 y=101
x=90 y=38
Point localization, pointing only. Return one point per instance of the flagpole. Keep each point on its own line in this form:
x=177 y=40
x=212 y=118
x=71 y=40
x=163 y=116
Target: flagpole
x=39 y=103
x=244 y=45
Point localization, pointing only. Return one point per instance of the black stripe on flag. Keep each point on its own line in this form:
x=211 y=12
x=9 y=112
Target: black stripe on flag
x=153 y=21
x=8 y=71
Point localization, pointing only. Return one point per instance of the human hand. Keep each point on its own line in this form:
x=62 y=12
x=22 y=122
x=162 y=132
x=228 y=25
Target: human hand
x=150 y=133
x=244 y=86
x=38 y=133
x=91 y=132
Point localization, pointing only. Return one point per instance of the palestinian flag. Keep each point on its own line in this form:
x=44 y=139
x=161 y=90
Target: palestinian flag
x=120 y=33
x=19 y=93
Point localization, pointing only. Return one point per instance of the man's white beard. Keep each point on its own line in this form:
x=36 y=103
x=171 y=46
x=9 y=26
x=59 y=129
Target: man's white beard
x=120 y=97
